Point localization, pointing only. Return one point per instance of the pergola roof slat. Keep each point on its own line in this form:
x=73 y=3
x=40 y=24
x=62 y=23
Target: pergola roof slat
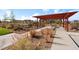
x=56 y=16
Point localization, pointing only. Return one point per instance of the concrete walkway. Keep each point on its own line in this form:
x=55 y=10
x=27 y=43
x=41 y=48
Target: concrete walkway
x=62 y=41
x=75 y=37
x=7 y=40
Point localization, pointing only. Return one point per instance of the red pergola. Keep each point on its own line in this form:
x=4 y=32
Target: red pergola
x=62 y=16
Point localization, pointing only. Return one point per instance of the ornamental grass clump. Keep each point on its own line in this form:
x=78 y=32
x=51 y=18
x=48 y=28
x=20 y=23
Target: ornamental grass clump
x=47 y=34
x=35 y=34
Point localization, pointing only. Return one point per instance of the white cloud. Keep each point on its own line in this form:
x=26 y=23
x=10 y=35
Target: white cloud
x=1 y=18
x=23 y=17
x=8 y=13
x=74 y=17
x=74 y=10
x=5 y=12
x=45 y=10
x=35 y=14
x=57 y=11
x=29 y=17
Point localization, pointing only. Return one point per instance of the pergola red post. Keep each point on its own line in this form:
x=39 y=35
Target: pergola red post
x=60 y=22
x=40 y=22
x=63 y=22
x=47 y=21
x=37 y=22
x=67 y=24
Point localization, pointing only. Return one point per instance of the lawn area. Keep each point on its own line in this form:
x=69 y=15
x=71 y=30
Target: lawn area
x=4 y=31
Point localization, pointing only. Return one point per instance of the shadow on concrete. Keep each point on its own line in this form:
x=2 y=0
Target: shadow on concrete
x=59 y=43
x=57 y=37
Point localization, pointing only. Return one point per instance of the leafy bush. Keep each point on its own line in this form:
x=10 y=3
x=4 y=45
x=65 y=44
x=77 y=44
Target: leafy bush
x=4 y=31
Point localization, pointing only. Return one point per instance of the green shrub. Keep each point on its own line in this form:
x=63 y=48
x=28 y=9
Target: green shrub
x=4 y=31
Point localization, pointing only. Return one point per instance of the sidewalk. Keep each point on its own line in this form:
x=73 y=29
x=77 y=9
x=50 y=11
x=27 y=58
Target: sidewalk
x=62 y=41
x=7 y=40
x=75 y=37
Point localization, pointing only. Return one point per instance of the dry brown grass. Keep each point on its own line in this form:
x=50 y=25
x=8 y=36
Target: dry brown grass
x=34 y=43
x=22 y=44
x=32 y=32
x=35 y=34
x=47 y=31
x=47 y=34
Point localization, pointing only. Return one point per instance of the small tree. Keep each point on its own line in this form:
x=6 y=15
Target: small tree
x=5 y=16
x=12 y=16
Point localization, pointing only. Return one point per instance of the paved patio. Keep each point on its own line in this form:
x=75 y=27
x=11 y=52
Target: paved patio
x=62 y=41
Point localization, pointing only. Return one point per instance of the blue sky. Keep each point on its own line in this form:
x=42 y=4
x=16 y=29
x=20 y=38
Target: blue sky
x=28 y=13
